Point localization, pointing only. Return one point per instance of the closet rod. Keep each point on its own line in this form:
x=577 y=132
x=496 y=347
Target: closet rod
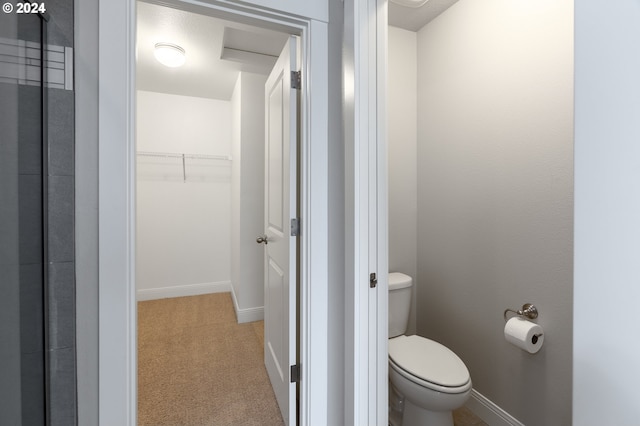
x=183 y=156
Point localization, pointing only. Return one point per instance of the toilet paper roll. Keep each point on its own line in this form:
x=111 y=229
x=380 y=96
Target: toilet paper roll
x=524 y=334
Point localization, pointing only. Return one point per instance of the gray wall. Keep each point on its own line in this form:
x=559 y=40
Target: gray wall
x=495 y=195
x=402 y=98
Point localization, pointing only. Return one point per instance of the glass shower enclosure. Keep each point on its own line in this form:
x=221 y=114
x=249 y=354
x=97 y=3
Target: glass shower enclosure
x=23 y=220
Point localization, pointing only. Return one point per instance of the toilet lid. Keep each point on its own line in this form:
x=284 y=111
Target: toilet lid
x=428 y=360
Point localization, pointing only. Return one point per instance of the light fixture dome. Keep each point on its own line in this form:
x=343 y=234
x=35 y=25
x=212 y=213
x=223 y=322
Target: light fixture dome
x=170 y=55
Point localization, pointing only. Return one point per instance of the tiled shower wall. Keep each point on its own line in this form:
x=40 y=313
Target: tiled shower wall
x=61 y=228
x=19 y=74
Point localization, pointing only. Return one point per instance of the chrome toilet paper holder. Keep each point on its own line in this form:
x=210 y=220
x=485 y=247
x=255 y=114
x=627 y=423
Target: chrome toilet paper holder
x=528 y=310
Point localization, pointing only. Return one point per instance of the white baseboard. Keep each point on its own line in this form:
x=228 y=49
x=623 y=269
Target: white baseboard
x=183 y=290
x=248 y=314
x=489 y=412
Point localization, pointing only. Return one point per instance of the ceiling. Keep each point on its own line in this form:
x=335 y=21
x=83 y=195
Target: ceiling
x=217 y=49
x=413 y=19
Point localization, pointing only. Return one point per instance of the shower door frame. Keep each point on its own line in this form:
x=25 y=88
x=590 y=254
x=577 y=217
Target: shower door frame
x=116 y=226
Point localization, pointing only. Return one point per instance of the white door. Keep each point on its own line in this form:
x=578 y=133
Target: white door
x=280 y=246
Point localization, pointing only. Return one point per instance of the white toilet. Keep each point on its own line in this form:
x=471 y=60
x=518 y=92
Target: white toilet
x=430 y=377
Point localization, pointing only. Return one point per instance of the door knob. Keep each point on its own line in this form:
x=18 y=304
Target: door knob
x=262 y=239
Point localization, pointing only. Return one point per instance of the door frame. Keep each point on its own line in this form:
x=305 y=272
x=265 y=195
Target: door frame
x=365 y=123
x=117 y=371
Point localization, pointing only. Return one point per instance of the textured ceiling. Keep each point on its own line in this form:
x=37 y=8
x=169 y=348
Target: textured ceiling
x=206 y=41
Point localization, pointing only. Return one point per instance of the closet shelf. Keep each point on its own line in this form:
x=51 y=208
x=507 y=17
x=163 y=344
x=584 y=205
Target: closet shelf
x=185 y=156
x=182 y=158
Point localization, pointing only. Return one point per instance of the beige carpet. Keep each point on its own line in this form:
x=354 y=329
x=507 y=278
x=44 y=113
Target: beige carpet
x=198 y=367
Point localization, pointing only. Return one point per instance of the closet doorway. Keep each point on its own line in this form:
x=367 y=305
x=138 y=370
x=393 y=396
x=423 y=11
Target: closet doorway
x=200 y=203
x=117 y=182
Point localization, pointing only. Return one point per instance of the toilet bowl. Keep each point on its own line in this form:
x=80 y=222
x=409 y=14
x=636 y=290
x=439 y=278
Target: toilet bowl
x=430 y=378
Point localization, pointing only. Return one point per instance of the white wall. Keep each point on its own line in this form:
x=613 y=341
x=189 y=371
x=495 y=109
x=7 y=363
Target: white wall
x=607 y=230
x=247 y=207
x=495 y=195
x=183 y=236
x=173 y=123
x=236 y=168
x=402 y=110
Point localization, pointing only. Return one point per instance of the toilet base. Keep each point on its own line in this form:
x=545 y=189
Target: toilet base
x=417 y=416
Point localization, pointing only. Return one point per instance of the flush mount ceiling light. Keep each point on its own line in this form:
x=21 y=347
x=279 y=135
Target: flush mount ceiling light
x=410 y=3
x=170 y=55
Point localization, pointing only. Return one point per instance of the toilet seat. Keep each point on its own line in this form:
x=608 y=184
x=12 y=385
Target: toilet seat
x=429 y=364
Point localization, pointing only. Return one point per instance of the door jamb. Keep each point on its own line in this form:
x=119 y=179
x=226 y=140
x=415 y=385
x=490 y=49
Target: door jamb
x=364 y=102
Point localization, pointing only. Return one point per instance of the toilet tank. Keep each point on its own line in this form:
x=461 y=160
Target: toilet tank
x=399 y=303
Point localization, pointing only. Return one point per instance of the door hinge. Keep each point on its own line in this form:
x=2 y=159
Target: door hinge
x=373 y=280
x=295 y=227
x=295 y=374
x=296 y=80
